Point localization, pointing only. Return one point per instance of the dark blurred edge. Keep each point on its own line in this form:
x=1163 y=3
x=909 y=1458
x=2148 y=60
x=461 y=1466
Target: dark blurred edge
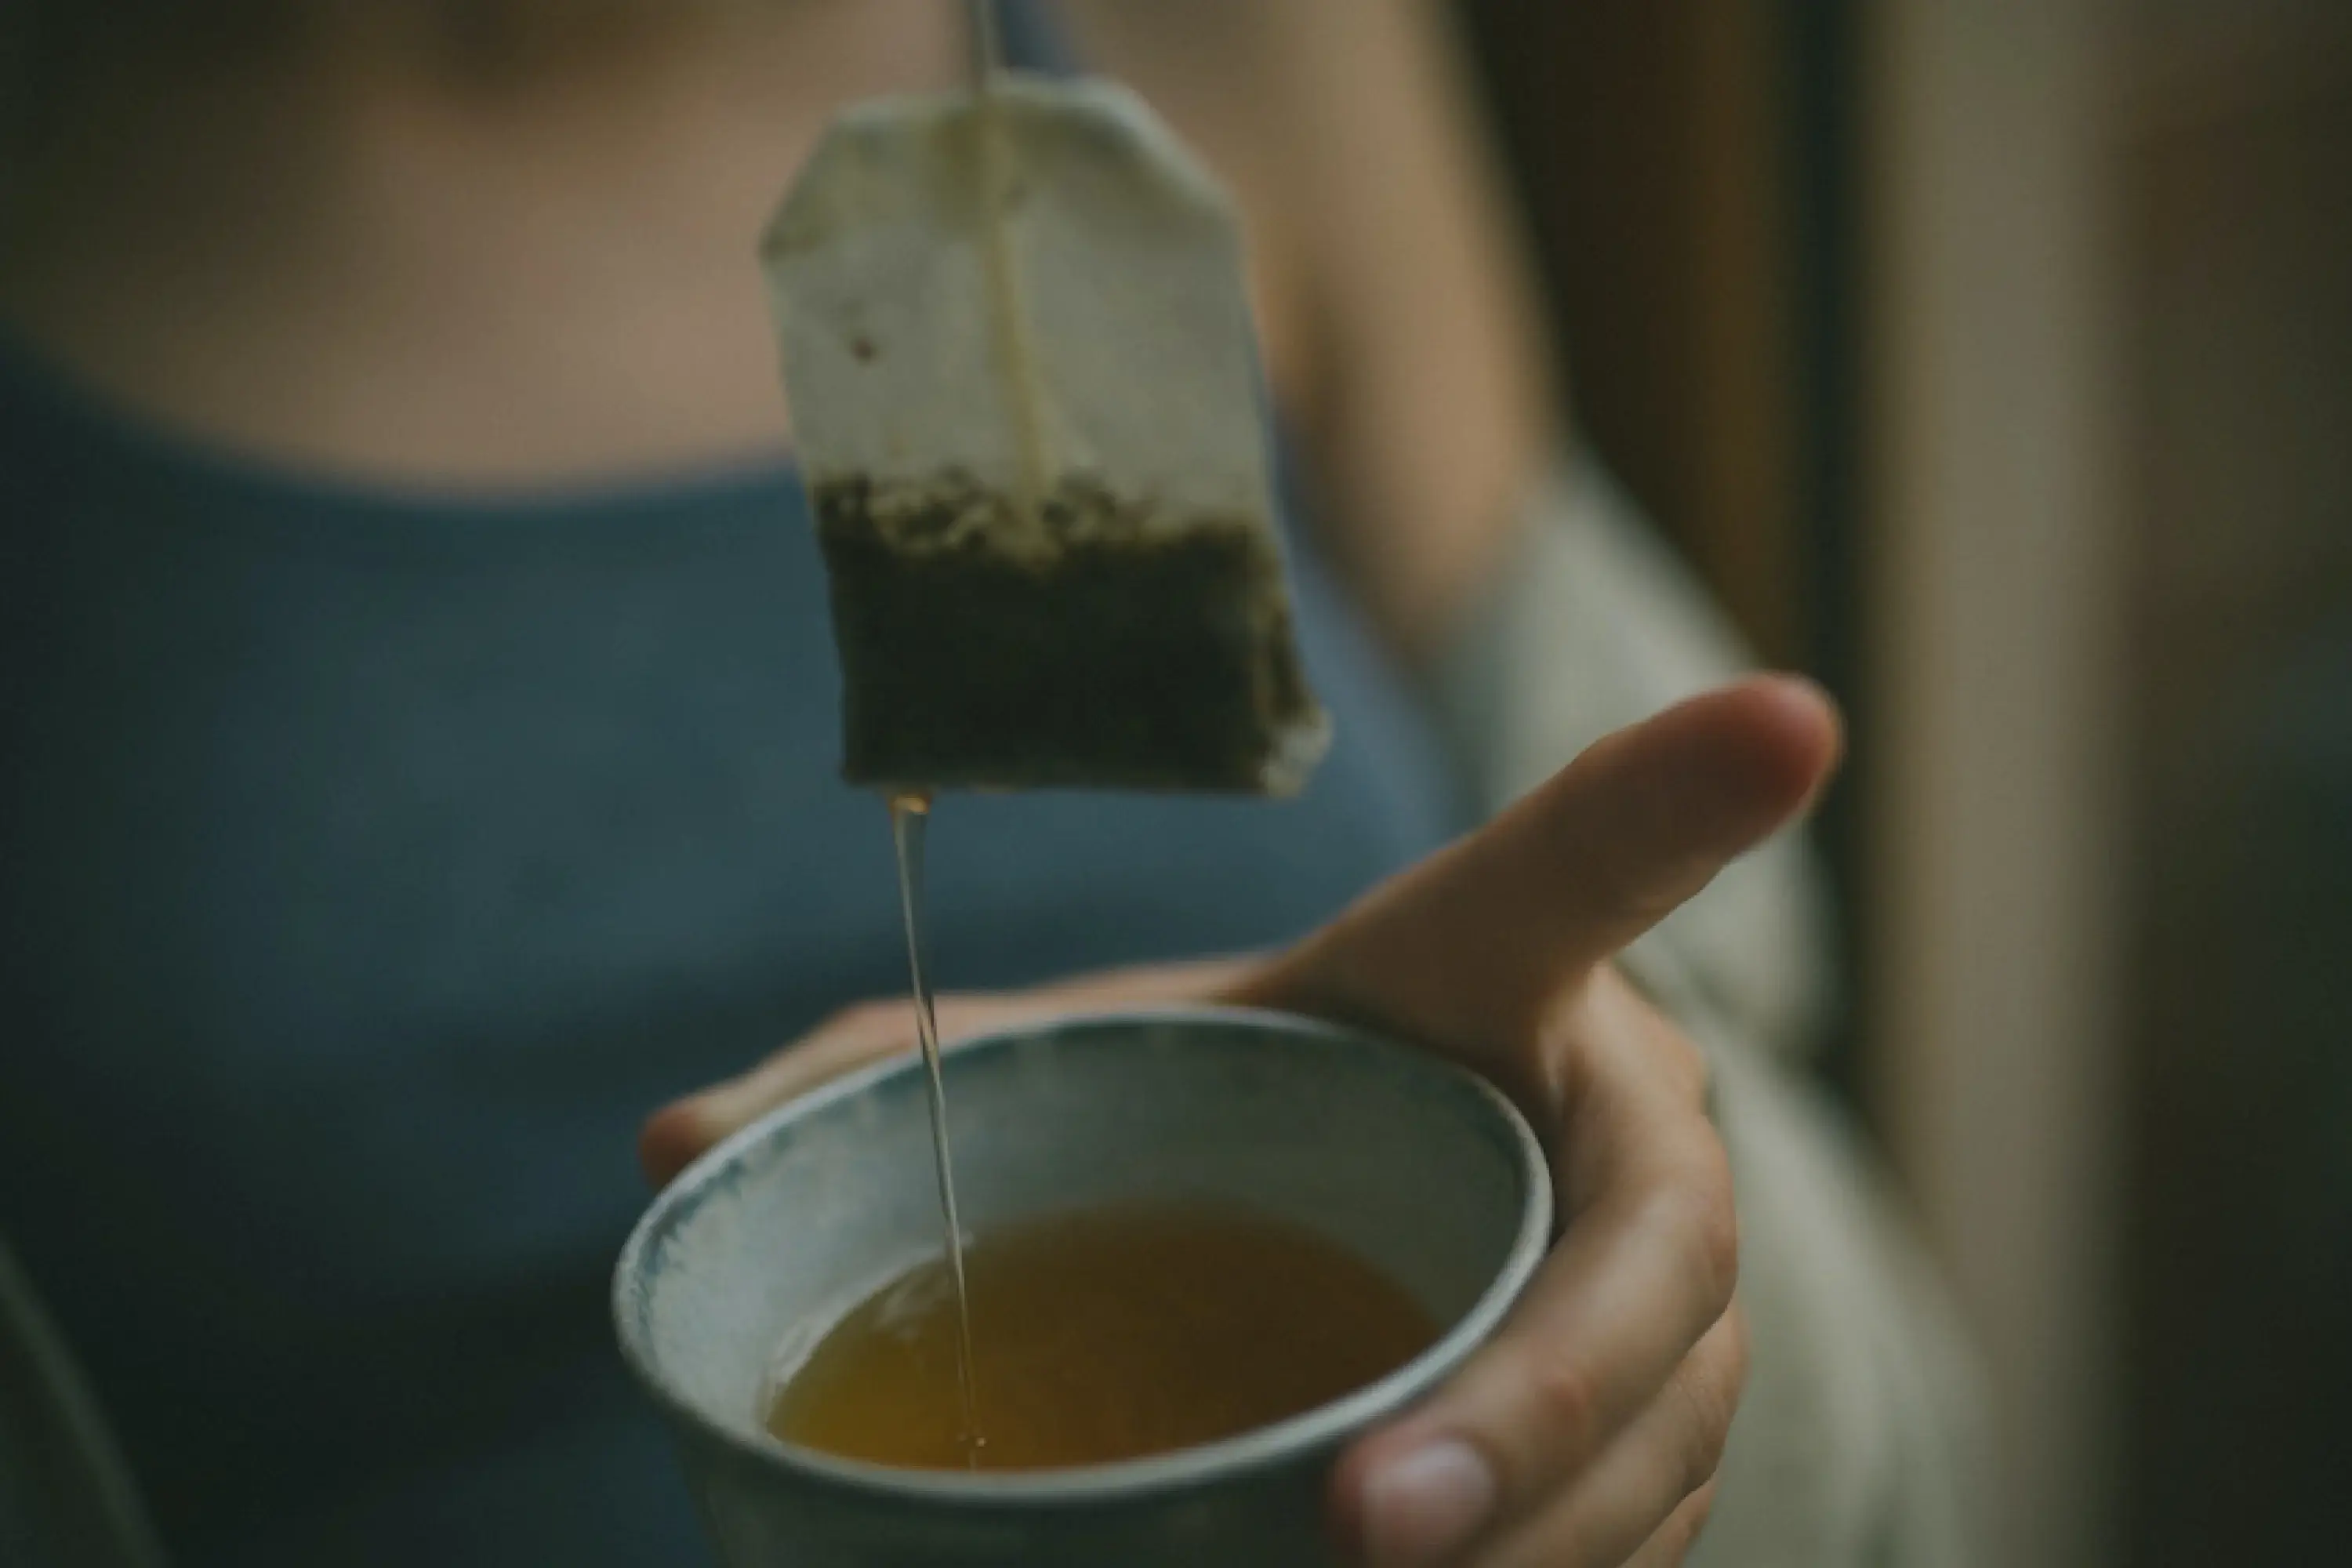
x=1821 y=39
x=2233 y=185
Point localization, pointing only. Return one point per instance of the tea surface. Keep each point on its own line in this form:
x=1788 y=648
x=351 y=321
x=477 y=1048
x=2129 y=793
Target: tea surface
x=1100 y=1335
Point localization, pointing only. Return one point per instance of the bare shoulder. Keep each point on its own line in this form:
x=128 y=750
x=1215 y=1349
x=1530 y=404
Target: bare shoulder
x=1403 y=326
x=1262 y=86
x=1212 y=68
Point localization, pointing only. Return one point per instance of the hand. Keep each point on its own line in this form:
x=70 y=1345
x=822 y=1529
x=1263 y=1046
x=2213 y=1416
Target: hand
x=1587 y=1432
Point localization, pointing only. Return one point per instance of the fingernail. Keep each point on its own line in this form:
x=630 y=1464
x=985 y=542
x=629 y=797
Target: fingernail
x=1425 y=1507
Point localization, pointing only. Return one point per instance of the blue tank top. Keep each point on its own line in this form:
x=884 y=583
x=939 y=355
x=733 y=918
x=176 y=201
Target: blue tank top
x=375 y=863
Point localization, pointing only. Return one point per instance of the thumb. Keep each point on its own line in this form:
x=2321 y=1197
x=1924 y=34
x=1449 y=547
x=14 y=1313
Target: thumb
x=1468 y=949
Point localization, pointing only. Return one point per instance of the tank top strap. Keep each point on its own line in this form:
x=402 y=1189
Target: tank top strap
x=1035 y=38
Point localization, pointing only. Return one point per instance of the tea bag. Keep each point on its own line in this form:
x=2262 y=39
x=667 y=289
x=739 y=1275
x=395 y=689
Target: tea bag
x=1017 y=342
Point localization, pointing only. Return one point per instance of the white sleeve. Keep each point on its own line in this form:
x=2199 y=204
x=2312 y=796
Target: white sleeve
x=1593 y=624
x=1859 y=1440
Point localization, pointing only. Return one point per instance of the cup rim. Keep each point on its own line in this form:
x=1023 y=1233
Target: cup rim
x=1124 y=1480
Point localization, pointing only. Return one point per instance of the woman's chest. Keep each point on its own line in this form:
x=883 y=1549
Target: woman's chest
x=415 y=880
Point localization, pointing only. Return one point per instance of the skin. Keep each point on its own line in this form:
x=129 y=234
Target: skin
x=505 y=244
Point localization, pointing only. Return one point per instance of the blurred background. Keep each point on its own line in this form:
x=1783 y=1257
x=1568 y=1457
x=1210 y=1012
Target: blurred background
x=1994 y=363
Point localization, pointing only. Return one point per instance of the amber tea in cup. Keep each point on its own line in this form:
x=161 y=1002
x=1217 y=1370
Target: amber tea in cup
x=1099 y=1335
x=1406 y=1165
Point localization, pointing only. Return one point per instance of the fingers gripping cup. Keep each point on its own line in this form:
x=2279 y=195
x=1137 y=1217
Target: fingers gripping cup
x=1422 y=1178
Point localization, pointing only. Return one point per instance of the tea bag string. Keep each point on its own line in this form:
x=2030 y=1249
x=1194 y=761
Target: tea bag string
x=1017 y=355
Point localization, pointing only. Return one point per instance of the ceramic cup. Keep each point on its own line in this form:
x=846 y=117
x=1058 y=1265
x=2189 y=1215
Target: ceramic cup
x=1415 y=1165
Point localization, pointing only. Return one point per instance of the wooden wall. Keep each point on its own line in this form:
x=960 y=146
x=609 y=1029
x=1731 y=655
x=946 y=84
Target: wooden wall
x=1651 y=141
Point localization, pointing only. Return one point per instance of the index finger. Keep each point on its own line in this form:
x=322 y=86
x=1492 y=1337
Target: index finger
x=1468 y=950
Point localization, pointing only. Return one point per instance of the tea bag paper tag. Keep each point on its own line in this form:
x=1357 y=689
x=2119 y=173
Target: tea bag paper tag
x=1127 y=269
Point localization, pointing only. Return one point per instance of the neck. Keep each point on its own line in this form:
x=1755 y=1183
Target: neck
x=561 y=80
x=548 y=207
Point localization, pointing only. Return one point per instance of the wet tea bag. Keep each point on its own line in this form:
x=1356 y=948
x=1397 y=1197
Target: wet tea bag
x=1025 y=395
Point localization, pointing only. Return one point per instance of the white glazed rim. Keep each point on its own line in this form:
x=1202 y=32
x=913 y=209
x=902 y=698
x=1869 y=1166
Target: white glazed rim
x=1125 y=1479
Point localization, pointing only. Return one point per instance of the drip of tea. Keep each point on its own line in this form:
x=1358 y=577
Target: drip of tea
x=910 y=814
x=1103 y=1334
